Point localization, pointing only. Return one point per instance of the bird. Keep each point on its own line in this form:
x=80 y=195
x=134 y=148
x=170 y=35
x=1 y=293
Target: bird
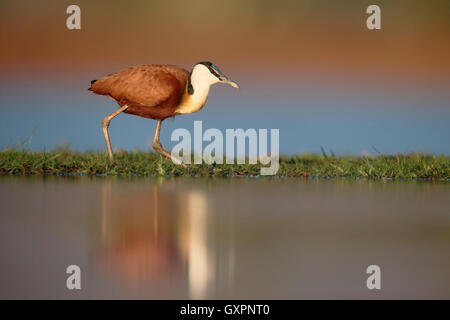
x=158 y=92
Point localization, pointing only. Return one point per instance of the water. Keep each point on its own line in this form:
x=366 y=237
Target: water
x=342 y=120
x=224 y=238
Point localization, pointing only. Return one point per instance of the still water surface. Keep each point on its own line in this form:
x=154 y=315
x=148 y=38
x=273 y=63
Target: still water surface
x=224 y=238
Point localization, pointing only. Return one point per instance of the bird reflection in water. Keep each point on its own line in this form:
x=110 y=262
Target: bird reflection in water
x=152 y=232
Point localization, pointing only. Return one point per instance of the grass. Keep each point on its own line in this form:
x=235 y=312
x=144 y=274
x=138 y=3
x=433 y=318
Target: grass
x=139 y=163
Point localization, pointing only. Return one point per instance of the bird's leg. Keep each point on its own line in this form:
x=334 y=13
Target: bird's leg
x=159 y=148
x=105 y=124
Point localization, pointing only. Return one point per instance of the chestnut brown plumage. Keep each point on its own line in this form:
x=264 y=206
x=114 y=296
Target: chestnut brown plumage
x=149 y=91
x=158 y=92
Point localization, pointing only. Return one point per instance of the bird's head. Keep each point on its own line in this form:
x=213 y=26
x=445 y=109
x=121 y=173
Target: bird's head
x=207 y=73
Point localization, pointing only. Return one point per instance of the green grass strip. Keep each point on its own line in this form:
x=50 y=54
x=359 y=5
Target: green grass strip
x=139 y=163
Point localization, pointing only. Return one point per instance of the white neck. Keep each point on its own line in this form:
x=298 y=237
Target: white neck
x=201 y=80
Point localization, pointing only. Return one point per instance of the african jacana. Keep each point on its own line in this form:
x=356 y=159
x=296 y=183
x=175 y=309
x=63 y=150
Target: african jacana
x=158 y=92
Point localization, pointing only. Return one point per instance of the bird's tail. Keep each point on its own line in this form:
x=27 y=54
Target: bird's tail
x=92 y=82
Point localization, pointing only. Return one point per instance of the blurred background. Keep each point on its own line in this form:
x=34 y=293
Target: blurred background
x=310 y=68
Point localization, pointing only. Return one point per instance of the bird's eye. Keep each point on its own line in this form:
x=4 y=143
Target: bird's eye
x=216 y=68
x=214 y=72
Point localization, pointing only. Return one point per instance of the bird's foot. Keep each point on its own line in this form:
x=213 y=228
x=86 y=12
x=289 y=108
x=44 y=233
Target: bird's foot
x=183 y=164
x=159 y=148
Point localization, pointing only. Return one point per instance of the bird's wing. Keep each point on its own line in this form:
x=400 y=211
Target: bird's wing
x=148 y=85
